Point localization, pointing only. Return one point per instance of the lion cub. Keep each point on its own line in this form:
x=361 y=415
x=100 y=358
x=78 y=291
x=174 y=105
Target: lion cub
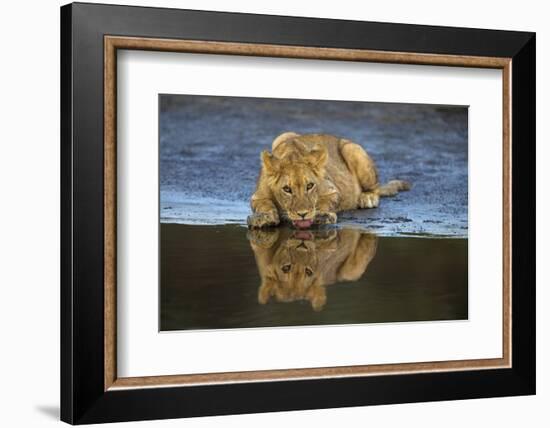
x=308 y=178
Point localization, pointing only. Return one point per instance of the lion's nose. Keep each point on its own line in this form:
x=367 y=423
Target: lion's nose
x=302 y=214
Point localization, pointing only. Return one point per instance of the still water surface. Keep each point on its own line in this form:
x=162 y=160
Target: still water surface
x=216 y=277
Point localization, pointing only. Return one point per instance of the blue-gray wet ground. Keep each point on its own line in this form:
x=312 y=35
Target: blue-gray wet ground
x=210 y=158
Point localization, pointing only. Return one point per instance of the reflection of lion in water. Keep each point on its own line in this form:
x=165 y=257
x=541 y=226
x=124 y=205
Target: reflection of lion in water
x=298 y=265
x=308 y=178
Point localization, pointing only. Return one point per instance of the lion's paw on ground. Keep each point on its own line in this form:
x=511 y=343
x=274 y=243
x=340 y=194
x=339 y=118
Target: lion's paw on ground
x=326 y=218
x=261 y=220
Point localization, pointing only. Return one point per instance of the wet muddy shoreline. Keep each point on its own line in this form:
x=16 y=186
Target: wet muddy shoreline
x=210 y=158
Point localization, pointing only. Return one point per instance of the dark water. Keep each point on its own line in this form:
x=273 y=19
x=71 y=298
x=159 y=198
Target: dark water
x=215 y=277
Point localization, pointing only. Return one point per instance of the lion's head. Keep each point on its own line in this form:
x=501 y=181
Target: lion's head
x=294 y=182
x=294 y=272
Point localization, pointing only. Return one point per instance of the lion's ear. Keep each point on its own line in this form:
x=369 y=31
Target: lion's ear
x=270 y=163
x=318 y=298
x=264 y=293
x=317 y=158
x=317 y=294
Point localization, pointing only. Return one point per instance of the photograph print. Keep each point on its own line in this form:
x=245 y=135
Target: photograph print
x=293 y=212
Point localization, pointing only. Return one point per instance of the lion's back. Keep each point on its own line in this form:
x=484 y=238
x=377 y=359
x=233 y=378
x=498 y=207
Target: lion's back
x=306 y=142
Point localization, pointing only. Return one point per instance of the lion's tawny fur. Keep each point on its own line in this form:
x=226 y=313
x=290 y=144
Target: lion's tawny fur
x=311 y=177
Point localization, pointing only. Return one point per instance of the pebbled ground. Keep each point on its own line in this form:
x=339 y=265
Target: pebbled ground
x=210 y=148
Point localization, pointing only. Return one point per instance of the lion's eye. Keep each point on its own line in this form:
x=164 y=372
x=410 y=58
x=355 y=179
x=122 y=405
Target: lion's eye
x=286 y=268
x=310 y=186
x=309 y=272
x=287 y=189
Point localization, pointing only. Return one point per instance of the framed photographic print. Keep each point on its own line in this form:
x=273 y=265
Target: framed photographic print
x=265 y=213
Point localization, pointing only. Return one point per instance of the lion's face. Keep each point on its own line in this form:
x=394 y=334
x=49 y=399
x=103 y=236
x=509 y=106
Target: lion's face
x=294 y=274
x=294 y=183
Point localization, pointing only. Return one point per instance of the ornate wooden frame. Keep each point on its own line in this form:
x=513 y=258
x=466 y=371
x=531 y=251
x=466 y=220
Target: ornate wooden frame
x=91 y=390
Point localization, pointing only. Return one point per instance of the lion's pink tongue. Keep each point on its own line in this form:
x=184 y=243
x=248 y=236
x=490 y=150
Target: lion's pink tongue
x=303 y=235
x=303 y=224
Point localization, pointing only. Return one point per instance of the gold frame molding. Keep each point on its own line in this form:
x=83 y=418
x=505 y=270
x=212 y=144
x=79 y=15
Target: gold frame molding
x=113 y=43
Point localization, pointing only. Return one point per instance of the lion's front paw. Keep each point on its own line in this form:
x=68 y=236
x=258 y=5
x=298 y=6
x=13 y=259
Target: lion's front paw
x=260 y=220
x=263 y=238
x=326 y=218
x=368 y=200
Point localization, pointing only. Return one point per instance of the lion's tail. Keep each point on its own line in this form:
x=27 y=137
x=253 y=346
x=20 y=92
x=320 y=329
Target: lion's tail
x=392 y=187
